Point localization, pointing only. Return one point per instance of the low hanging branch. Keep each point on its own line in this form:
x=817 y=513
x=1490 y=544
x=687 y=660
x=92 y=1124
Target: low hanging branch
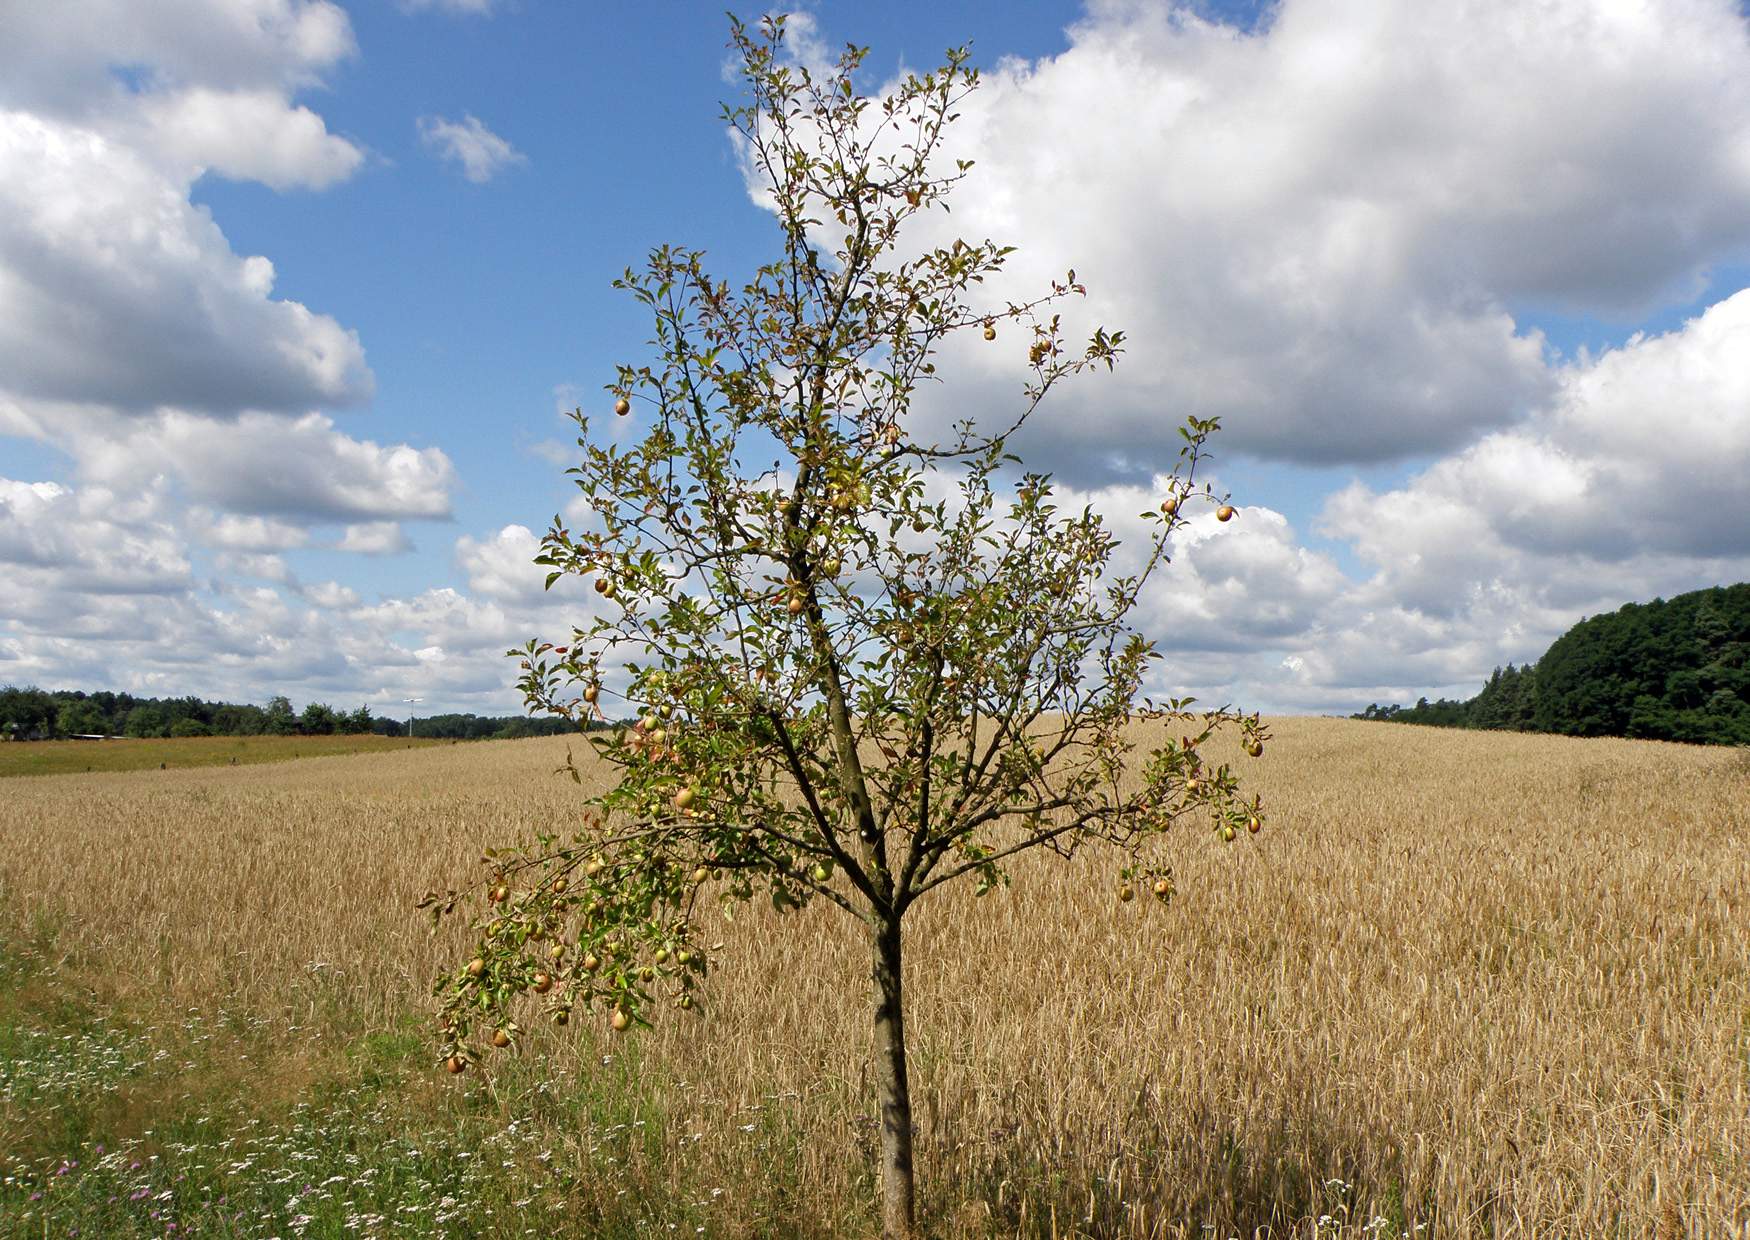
x=796 y=617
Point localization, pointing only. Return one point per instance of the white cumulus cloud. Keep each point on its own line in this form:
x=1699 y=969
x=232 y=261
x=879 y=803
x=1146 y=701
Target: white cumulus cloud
x=300 y=469
x=477 y=8
x=481 y=153
x=1324 y=231
x=115 y=289
x=248 y=135
x=375 y=538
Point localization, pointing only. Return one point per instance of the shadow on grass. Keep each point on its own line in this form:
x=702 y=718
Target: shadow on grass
x=1150 y=1181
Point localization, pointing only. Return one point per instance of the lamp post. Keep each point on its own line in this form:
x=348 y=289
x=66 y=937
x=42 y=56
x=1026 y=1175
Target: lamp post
x=410 y=701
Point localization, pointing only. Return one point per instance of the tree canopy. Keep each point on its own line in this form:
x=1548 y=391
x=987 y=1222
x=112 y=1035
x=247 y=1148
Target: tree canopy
x=847 y=689
x=1674 y=670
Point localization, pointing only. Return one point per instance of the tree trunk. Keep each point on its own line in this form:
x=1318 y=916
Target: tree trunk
x=897 y=1197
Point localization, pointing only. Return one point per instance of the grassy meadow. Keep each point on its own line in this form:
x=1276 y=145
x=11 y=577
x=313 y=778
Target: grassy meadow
x=151 y=754
x=1465 y=984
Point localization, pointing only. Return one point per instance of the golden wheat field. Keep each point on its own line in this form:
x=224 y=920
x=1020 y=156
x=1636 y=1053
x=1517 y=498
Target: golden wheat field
x=1463 y=984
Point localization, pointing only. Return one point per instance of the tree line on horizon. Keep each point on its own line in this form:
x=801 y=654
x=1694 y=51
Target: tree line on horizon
x=1676 y=670
x=30 y=713
x=1670 y=670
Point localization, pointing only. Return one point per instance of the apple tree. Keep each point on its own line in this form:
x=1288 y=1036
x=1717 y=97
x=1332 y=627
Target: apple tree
x=843 y=690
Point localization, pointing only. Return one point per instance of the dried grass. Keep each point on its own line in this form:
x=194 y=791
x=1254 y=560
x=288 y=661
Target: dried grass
x=1486 y=983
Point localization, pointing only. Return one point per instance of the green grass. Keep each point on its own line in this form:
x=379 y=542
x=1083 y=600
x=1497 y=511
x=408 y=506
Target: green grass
x=122 y=1124
x=77 y=757
x=345 y=1157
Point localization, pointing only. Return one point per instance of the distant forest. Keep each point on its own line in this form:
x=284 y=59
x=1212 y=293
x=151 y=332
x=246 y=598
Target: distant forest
x=39 y=714
x=1676 y=670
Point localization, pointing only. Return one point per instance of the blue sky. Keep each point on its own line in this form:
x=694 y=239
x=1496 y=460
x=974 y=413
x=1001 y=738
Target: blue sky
x=1458 y=283
x=476 y=301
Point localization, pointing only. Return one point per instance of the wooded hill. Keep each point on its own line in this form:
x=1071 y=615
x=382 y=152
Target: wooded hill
x=1674 y=670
